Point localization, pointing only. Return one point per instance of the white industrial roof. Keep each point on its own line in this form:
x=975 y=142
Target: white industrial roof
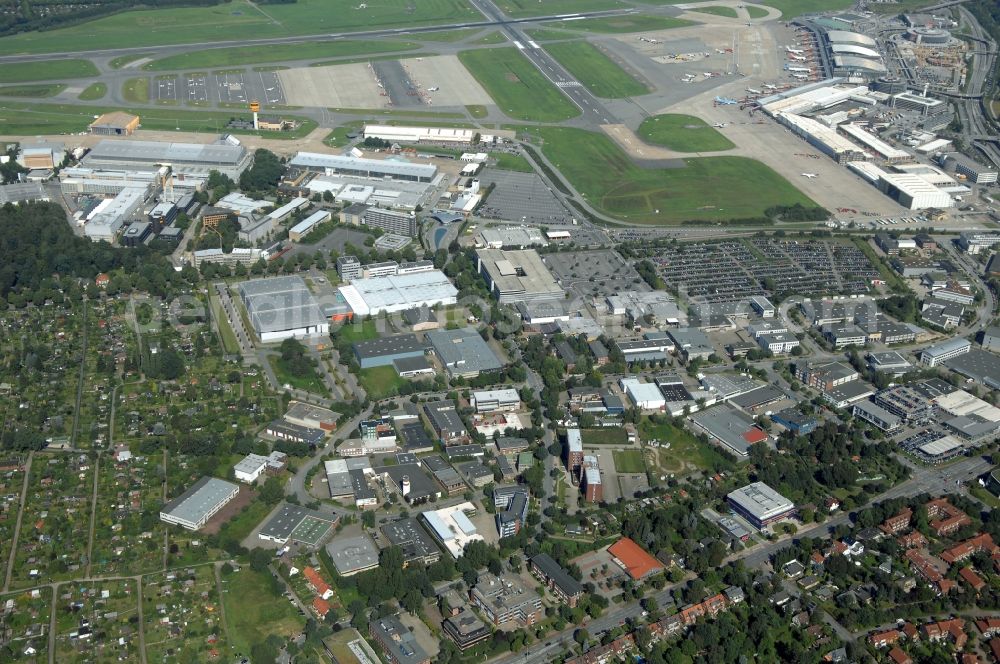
x=847 y=37
x=940 y=446
x=852 y=49
x=642 y=393
x=317 y=217
x=161 y=152
x=855 y=62
x=574 y=440
x=867 y=170
x=874 y=142
x=761 y=501
x=961 y=403
x=452 y=527
x=398 y=292
x=288 y=208
x=820 y=132
x=341 y=162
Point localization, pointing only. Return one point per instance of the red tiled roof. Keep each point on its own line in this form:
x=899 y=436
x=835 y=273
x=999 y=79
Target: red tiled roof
x=634 y=558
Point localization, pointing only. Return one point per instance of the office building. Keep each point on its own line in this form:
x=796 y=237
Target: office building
x=391 y=221
x=574 y=447
x=451 y=527
x=193 y=508
x=517 y=276
x=416 y=545
x=971 y=169
x=488 y=401
x=397 y=642
x=590 y=479
x=760 y=504
x=504 y=599
x=942 y=352
x=556 y=579
x=511 y=504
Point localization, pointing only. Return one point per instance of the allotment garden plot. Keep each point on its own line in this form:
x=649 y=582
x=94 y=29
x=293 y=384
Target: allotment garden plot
x=97 y=621
x=182 y=614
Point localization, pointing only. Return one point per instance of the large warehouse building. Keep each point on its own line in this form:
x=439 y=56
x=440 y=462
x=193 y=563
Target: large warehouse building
x=518 y=276
x=419 y=134
x=367 y=168
x=193 y=508
x=194 y=158
x=281 y=308
x=370 y=297
x=760 y=504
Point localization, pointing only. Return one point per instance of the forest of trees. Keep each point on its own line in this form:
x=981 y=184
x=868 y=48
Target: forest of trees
x=36 y=243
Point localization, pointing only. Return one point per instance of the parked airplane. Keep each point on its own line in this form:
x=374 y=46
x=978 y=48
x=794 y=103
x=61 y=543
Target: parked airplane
x=434 y=89
x=810 y=175
x=796 y=51
x=768 y=86
x=797 y=58
x=720 y=125
x=753 y=91
x=725 y=101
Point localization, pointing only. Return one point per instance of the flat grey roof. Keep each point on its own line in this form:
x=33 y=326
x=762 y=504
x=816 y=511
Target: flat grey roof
x=392 y=634
x=162 y=152
x=980 y=365
x=420 y=484
x=518 y=271
x=760 y=500
x=281 y=525
x=557 y=574
x=463 y=350
x=344 y=163
x=280 y=303
x=391 y=345
x=201 y=498
x=353 y=554
x=410 y=536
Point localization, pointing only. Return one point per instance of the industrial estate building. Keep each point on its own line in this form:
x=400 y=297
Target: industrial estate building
x=760 y=504
x=281 y=308
x=463 y=352
x=389 y=294
x=228 y=159
x=517 y=276
x=115 y=123
x=365 y=168
x=193 y=508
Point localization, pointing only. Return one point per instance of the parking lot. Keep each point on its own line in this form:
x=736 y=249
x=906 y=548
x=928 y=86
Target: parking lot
x=733 y=270
x=521 y=197
x=590 y=273
x=229 y=87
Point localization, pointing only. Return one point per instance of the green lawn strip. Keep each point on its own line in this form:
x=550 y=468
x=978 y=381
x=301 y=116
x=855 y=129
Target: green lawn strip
x=30 y=118
x=524 y=8
x=444 y=35
x=624 y=24
x=310 y=383
x=122 y=60
x=380 y=382
x=37 y=90
x=136 y=90
x=253 y=612
x=477 y=111
x=513 y=162
x=491 y=38
x=791 y=8
x=894 y=281
x=706 y=188
x=629 y=461
x=598 y=73
x=518 y=88
x=46 y=70
x=338 y=137
x=250 y=55
x=683 y=133
x=94 y=91
x=727 y=12
x=756 y=12
x=546 y=34
x=229 y=342
x=398 y=113
x=240 y=21
x=604 y=436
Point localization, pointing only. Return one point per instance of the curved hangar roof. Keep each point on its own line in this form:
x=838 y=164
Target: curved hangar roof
x=853 y=49
x=846 y=37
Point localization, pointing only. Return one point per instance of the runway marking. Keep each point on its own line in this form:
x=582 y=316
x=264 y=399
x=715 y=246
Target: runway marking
x=519 y=45
x=533 y=44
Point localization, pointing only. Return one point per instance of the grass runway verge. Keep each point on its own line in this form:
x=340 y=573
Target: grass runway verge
x=683 y=133
x=598 y=73
x=704 y=189
x=517 y=87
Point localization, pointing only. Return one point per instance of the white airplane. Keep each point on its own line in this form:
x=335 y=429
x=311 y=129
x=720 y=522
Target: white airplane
x=810 y=175
x=434 y=89
x=768 y=86
x=797 y=58
x=796 y=51
x=707 y=74
x=720 y=125
x=753 y=91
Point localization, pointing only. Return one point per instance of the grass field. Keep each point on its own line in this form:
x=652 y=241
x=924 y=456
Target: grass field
x=490 y=38
x=522 y=8
x=728 y=12
x=449 y=36
x=338 y=137
x=251 y=55
x=792 y=8
x=310 y=383
x=32 y=90
x=477 y=110
x=94 y=91
x=238 y=21
x=352 y=332
x=380 y=382
x=517 y=87
x=136 y=90
x=598 y=73
x=629 y=461
x=683 y=133
x=625 y=24
x=686 y=452
x=253 y=613
x=122 y=60
x=756 y=12
x=545 y=34
x=46 y=70
x=513 y=162
x=604 y=436
x=31 y=118
x=706 y=189
x=389 y=112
